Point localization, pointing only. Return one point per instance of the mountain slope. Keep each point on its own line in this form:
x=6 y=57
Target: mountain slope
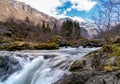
x=19 y=10
x=88 y=30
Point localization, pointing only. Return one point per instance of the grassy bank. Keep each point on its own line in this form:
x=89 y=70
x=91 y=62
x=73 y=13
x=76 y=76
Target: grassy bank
x=28 y=45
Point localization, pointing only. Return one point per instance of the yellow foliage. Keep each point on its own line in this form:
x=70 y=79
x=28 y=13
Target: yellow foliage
x=108 y=68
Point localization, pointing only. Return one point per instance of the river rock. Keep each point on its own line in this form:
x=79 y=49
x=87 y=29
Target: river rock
x=49 y=56
x=94 y=68
x=75 y=78
x=10 y=63
x=108 y=78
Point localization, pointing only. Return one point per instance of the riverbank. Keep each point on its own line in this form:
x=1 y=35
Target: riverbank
x=98 y=67
x=55 y=43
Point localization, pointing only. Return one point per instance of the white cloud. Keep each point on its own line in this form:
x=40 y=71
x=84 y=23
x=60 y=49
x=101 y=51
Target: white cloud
x=46 y=6
x=83 y=4
x=67 y=10
x=49 y=6
x=79 y=19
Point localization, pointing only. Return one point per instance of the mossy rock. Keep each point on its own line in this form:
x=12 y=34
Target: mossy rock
x=107 y=49
x=15 y=46
x=110 y=68
x=78 y=65
x=3 y=39
x=47 y=46
x=111 y=50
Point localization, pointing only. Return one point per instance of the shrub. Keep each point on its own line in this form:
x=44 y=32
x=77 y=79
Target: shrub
x=117 y=40
x=3 y=40
x=107 y=49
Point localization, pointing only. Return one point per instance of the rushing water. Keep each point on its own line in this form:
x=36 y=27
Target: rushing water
x=46 y=67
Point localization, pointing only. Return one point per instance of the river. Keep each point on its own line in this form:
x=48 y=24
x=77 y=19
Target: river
x=43 y=66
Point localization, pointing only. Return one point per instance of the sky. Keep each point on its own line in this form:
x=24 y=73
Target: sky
x=81 y=10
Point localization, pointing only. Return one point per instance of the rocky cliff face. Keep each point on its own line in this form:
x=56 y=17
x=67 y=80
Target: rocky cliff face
x=20 y=10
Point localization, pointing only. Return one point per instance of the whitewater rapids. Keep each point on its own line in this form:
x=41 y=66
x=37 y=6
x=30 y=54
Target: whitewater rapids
x=46 y=67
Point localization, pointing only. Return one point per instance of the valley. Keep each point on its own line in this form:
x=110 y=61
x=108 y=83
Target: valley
x=40 y=48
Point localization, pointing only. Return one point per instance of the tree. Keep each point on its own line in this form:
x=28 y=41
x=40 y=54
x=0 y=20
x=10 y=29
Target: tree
x=27 y=19
x=77 y=29
x=48 y=27
x=43 y=25
x=117 y=12
x=107 y=13
x=70 y=29
x=55 y=29
x=67 y=28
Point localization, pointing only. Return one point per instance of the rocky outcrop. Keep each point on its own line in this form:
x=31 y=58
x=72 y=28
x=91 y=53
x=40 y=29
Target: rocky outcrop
x=98 y=67
x=10 y=64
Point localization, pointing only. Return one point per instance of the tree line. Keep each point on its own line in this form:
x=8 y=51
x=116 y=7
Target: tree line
x=69 y=29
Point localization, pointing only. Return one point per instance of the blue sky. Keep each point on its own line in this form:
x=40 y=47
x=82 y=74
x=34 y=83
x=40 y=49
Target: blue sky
x=81 y=10
x=83 y=14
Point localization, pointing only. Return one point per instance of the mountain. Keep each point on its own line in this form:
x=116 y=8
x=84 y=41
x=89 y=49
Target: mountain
x=20 y=10
x=88 y=30
x=65 y=19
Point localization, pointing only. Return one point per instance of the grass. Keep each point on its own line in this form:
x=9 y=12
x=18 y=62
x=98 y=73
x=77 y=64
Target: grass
x=110 y=68
x=29 y=45
x=48 y=46
x=112 y=50
x=3 y=39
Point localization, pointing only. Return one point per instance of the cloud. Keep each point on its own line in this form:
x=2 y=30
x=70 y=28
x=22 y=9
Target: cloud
x=81 y=5
x=115 y=1
x=46 y=6
x=50 y=6
x=79 y=19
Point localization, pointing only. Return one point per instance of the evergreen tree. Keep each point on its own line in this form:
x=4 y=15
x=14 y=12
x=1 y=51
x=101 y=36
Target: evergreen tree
x=55 y=28
x=27 y=19
x=70 y=29
x=48 y=27
x=66 y=29
x=43 y=26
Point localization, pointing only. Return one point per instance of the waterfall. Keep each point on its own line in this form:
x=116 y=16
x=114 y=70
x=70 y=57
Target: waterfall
x=46 y=67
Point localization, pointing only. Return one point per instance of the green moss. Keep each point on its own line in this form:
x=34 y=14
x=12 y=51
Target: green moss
x=3 y=39
x=48 y=46
x=27 y=45
x=107 y=49
x=111 y=50
x=110 y=68
x=1 y=47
